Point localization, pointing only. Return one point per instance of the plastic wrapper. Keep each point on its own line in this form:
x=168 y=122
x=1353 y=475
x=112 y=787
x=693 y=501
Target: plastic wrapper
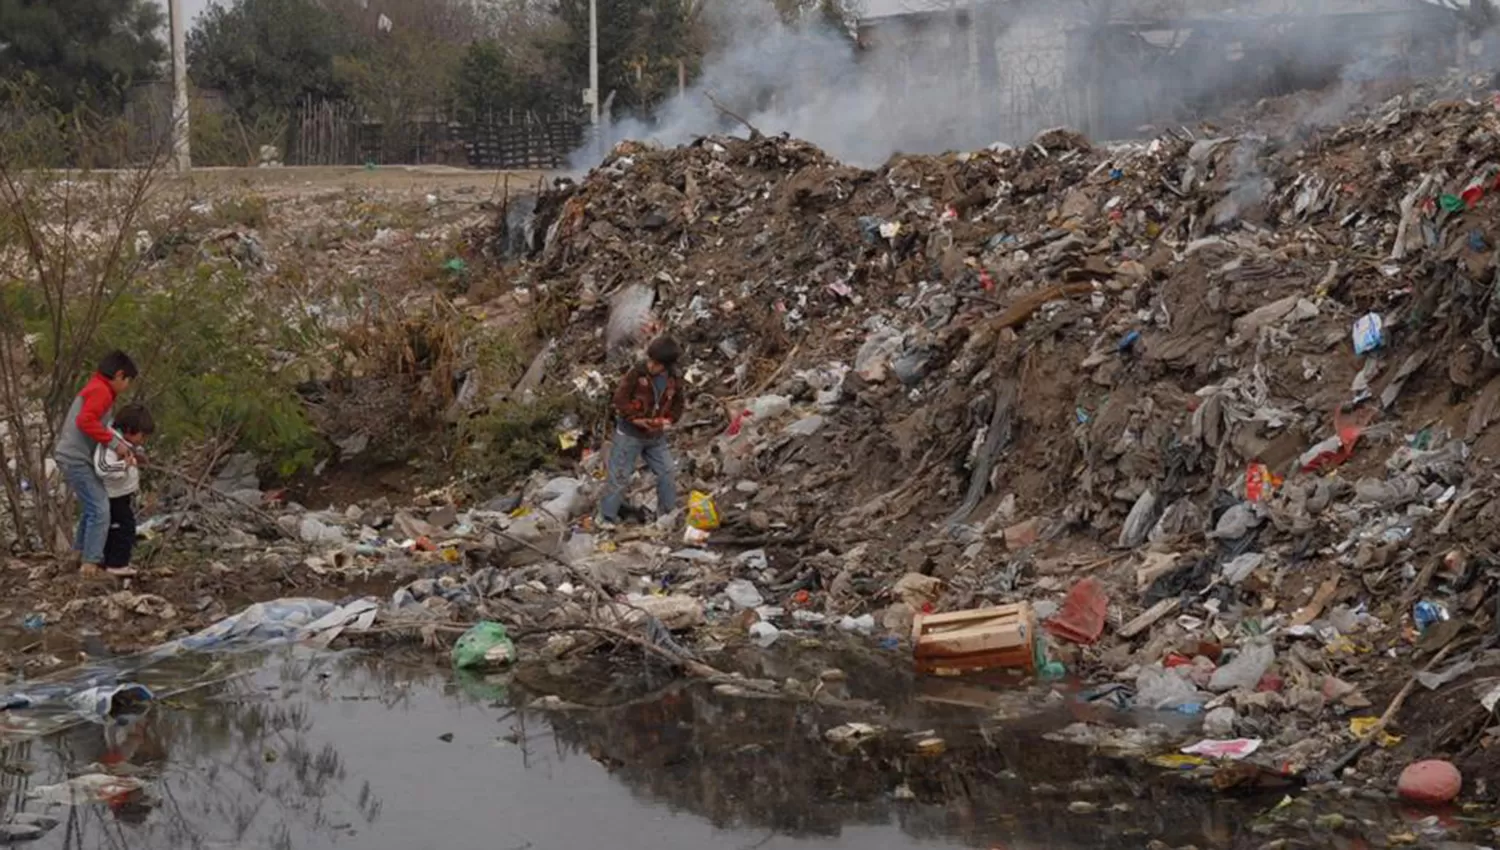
x=702 y=513
x=1161 y=689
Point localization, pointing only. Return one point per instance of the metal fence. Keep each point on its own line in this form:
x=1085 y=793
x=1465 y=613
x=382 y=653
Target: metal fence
x=337 y=133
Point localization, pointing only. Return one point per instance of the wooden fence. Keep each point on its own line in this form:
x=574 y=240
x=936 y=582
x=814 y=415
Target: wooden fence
x=528 y=142
x=325 y=133
x=336 y=133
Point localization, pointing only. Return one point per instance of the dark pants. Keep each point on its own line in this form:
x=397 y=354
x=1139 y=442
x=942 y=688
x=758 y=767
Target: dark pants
x=121 y=539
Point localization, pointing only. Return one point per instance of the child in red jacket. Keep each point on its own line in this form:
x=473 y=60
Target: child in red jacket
x=87 y=426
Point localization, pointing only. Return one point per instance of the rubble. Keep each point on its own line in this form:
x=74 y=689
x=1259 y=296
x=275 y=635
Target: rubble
x=1241 y=388
x=1258 y=366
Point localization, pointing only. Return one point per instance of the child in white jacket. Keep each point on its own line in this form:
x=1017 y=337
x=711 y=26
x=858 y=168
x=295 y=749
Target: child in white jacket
x=122 y=481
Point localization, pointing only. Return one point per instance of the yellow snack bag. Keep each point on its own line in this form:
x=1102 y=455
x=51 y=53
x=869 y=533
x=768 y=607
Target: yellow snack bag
x=702 y=513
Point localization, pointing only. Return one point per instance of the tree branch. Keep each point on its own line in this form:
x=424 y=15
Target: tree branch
x=755 y=133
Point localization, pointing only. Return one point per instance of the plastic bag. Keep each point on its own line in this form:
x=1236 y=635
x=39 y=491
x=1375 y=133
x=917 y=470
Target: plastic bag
x=117 y=705
x=702 y=514
x=1245 y=670
x=484 y=645
x=1159 y=689
x=743 y=594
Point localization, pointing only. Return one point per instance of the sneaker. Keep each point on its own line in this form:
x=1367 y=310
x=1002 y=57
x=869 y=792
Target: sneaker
x=122 y=572
x=601 y=524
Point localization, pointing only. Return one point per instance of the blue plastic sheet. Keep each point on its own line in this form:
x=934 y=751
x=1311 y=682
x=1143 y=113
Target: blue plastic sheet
x=117 y=691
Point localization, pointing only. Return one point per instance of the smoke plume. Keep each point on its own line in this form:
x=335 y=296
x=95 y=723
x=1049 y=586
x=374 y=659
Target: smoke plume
x=923 y=84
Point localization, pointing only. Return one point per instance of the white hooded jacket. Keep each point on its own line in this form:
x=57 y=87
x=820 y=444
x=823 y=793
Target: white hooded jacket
x=120 y=478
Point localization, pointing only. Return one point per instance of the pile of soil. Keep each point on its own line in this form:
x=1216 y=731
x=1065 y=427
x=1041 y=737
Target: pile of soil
x=1014 y=368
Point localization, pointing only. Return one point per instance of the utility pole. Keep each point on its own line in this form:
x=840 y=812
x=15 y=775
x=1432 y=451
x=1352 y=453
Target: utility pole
x=594 y=63
x=181 y=152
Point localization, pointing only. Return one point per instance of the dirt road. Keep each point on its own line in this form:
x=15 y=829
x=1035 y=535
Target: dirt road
x=425 y=178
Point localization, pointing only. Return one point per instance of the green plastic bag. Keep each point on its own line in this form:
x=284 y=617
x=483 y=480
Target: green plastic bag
x=484 y=645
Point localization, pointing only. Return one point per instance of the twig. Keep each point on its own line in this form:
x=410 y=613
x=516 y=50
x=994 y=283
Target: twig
x=1103 y=562
x=692 y=667
x=1411 y=684
x=1353 y=754
x=416 y=625
x=197 y=487
x=766 y=384
x=586 y=578
x=755 y=134
x=263 y=515
x=969 y=296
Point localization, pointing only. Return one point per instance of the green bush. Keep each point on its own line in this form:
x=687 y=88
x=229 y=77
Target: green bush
x=212 y=367
x=512 y=439
x=509 y=438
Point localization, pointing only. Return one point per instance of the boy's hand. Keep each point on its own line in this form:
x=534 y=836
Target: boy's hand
x=125 y=454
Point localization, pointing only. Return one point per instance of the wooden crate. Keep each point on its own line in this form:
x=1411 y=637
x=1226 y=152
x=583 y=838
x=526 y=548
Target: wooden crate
x=1002 y=637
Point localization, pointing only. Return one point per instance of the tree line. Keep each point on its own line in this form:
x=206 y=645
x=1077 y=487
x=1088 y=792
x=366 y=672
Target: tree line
x=467 y=59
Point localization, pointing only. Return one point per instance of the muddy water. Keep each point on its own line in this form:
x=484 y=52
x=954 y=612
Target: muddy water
x=323 y=751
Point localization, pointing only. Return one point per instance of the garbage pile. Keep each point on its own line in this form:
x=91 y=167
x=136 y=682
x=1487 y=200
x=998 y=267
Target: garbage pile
x=1242 y=385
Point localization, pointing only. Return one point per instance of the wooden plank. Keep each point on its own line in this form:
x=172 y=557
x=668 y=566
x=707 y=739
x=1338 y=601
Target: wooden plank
x=985 y=640
x=1321 y=598
x=1018 y=609
x=975 y=628
x=1149 y=617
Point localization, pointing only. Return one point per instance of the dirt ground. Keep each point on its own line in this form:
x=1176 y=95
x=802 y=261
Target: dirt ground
x=415 y=178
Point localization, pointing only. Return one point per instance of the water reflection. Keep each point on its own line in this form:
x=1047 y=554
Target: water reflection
x=234 y=763
x=312 y=751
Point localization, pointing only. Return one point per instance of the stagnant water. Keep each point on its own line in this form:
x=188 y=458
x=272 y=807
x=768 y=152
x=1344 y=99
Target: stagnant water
x=302 y=750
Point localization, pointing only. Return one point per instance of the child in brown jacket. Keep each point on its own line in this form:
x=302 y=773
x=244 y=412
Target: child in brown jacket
x=647 y=403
